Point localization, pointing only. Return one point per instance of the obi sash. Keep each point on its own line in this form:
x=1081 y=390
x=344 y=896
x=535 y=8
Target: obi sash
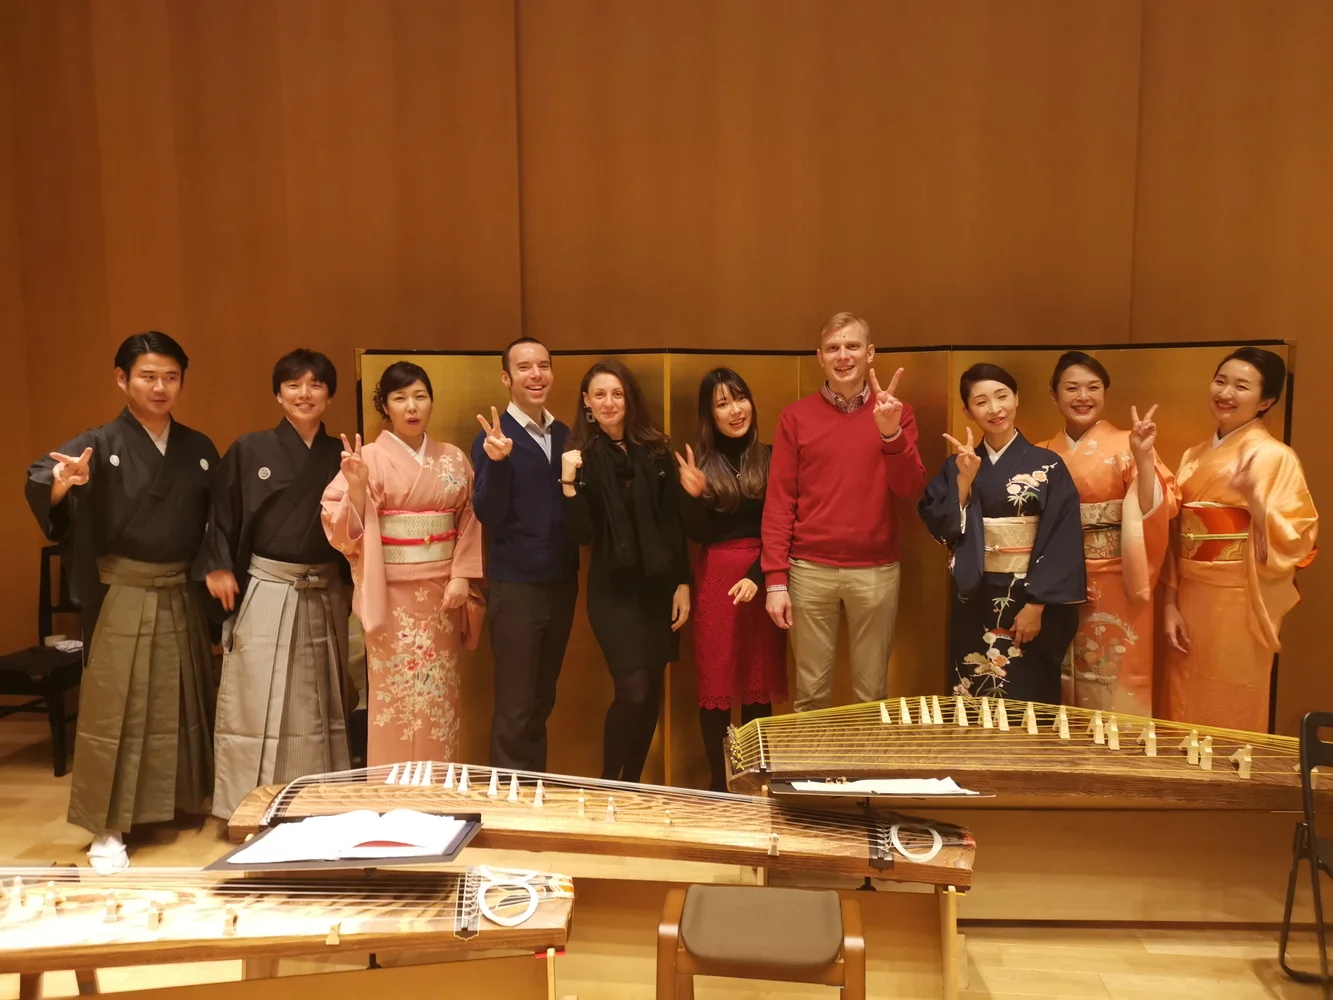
x=1009 y=542
x=1213 y=533
x=410 y=536
x=1101 y=529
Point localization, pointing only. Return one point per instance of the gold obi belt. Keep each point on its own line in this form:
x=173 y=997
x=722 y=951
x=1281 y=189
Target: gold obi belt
x=1101 y=529
x=1210 y=532
x=1009 y=543
x=411 y=536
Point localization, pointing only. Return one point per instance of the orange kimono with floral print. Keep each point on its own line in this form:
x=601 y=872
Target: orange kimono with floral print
x=412 y=641
x=1110 y=663
x=1232 y=602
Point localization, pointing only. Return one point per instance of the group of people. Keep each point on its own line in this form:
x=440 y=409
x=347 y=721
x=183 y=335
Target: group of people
x=1055 y=552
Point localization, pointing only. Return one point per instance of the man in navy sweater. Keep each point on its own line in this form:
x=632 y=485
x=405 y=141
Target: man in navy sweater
x=533 y=566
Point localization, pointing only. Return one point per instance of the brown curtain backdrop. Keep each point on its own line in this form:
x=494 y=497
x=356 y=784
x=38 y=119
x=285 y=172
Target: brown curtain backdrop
x=253 y=174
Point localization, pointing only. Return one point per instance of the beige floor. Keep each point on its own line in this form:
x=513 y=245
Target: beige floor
x=1003 y=963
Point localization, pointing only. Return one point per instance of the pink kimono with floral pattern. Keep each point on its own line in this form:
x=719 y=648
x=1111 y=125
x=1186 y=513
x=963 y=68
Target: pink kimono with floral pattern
x=412 y=642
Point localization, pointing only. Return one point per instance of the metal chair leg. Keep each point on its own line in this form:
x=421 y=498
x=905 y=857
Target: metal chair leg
x=1297 y=850
x=1318 y=911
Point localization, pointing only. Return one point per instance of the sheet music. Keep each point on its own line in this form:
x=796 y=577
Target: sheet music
x=886 y=786
x=401 y=833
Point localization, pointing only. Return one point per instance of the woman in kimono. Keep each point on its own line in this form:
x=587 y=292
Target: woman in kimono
x=400 y=509
x=740 y=655
x=129 y=501
x=1010 y=518
x=1247 y=523
x=622 y=498
x=1127 y=499
x=269 y=565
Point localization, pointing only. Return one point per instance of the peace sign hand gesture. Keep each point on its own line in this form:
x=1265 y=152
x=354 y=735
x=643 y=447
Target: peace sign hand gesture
x=354 y=468
x=1244 y=482
x=888 y=407
x=1142 y=436
x=496 y=445
x=71 y=471
x=969 y=462
x=692 y=479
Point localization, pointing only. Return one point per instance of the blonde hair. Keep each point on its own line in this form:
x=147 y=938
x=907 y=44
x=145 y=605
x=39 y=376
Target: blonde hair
x=842 y=320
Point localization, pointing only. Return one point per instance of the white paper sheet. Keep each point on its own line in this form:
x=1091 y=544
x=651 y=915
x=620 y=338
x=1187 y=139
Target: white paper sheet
x=886 y=786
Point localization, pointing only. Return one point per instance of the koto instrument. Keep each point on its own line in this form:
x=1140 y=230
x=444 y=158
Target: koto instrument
x=527 y=811
x=1019 y=752
x=73 y=918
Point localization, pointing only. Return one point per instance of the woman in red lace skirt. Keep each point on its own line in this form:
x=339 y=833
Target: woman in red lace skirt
x=740 y=656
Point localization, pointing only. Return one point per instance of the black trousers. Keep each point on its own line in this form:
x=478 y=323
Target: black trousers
x=529 y=624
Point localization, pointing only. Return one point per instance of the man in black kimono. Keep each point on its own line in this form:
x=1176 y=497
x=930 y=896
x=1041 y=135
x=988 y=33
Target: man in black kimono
x=129 y=500
x=266 y=559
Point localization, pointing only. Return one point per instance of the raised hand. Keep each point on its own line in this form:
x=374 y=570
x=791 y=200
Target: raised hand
x=71 y=471
x=354 y=468
x=1143 y=433
x=888 y=407
x=495 y=444
x=68 y=472
x=1244 y=482
x=570 y=463
x=969 y=462
x=222 y=584
x=692 y=479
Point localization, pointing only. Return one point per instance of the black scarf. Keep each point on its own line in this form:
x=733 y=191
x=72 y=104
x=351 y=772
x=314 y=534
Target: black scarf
x=642 y=532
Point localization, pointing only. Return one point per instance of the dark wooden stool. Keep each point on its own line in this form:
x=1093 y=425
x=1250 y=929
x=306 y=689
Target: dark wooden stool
x=752 y=932
x=43 y=673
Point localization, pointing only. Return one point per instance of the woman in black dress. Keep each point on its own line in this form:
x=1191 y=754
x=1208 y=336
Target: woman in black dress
x=622 y=498
x=739 y=654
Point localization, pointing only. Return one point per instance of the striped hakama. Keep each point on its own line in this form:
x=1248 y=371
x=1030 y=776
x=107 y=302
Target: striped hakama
x=281 y=704
x=144 y=742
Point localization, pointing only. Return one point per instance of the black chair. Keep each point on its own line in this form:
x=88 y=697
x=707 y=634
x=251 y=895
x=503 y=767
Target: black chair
x=1309 y=846
x=43 y=672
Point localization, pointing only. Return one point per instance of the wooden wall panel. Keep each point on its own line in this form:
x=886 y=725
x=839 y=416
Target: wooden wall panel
x=249 y=176
x=728 y=175
x=19 y=537
x=1234 y=227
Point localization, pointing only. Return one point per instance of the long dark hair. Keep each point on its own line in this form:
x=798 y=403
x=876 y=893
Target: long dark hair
x=722 y=485
x=399 y=375
x=639 y=427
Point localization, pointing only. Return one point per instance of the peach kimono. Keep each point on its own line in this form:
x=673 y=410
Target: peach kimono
x=1233 y=604
x=1110 y=663
x=418 y=533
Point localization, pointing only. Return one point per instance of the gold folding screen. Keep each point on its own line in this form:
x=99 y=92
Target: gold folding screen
x=465 y=385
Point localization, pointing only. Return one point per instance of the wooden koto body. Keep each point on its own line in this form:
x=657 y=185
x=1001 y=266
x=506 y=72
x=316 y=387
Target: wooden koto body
x=73 y=918
x=1024 y=753
x=588 y=816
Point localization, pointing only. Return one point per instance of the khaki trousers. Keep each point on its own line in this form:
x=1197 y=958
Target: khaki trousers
x=818 y=593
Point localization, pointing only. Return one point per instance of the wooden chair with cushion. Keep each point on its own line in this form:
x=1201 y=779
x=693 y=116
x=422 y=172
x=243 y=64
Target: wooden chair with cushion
x=753 y=932
x=44 y=673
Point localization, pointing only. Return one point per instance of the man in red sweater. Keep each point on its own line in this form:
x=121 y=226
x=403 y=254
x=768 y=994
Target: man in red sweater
x=830 y=534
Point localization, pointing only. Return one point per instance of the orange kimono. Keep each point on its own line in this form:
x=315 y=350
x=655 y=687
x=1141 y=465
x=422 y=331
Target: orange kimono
x=1232 y=605
x=418 y=533
x=1110 y=663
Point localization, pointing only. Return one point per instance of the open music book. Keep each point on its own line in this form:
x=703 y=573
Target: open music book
x=886 y=786
x=401 y=833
